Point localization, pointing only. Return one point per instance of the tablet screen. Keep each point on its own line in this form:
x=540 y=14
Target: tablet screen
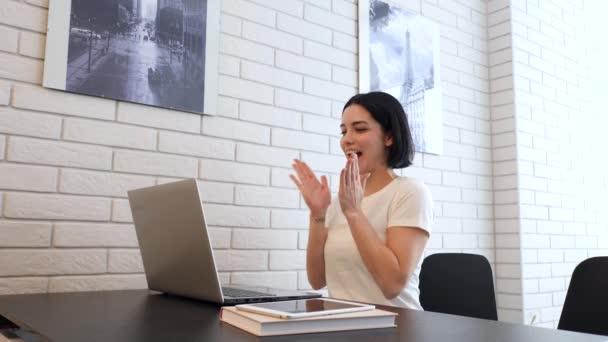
x=305 y=305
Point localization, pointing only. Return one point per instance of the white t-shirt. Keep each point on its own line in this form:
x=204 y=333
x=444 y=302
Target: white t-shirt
x=403 y=202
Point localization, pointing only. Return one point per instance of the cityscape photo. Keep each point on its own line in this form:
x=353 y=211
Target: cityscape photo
x=144 y=51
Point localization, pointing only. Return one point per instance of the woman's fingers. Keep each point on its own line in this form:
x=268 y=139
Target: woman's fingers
x=351 y=170
x=364 y=179
x=347 y=176
x=307 y=169
x=298 y=167
x=324 y=182
x=304 y=178
x=304 y=171
x=296 y=182
x=342 y=181
x=356 y=176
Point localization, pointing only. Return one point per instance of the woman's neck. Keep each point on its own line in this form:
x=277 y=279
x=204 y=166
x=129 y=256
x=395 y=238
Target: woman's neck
x=378 y=179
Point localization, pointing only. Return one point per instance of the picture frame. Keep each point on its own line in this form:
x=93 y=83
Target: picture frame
x=162 y=53
x=399 y=54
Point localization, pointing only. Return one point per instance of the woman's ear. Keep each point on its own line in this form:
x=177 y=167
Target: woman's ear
x=388 y=140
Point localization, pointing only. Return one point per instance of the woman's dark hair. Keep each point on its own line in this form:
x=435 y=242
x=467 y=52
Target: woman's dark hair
x=389 y=113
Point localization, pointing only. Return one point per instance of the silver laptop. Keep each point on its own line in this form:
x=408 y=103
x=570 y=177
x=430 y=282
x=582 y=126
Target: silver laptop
x=176 y=249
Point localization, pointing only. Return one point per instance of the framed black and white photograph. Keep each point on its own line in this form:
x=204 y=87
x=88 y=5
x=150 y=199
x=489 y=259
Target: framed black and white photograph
x=161 y=53
x=399 y=54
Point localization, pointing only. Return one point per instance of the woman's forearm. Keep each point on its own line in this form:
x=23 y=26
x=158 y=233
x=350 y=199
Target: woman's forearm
x=378 y=258
x=315 y=253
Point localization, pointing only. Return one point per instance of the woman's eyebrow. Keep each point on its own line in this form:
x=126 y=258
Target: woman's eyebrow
x=354 y=123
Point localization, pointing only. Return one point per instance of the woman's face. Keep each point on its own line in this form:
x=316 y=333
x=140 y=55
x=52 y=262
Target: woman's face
x=363 y=135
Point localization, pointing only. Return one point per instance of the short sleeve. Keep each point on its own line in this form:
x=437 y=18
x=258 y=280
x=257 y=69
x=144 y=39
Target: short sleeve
x=412 y=206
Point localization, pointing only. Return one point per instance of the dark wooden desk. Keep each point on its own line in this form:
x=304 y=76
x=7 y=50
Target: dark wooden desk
x=141 y=315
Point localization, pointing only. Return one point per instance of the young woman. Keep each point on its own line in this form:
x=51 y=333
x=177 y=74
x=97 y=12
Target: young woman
x=367 y=243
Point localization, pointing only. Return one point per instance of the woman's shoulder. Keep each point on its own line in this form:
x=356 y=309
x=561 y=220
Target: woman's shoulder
x=409 y=184
x=411 y=188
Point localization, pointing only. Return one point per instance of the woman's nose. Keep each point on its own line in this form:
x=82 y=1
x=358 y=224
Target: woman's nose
x=347 y=137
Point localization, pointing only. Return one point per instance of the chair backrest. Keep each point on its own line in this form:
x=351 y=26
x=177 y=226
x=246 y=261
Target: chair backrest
x=586 y=305
x=458 y=284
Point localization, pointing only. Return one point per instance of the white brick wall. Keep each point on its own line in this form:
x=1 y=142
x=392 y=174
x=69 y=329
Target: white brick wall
x=266 y=197
x=505 y=167
x=304 y=65
x=67 y=234
x=287 y=260
x=28 y=178
x=5 y=92
x=96 y=283
x=264 y=239
x=234 y=172
x=237 y=216
x=155 y=164
x=195 y=145
x=241 y=260
x=121 y=211
x=10 y=39
x=270 y=156
x=20 y=285
x=282 y=280
x=560 y=172
x=29 y=123
x=302 y=102
x=110 y=134
x=156 y=117
x=20 y=68
x=58 y=153
x=32 y=44
x=100 y=183
x=300 y=140
x=56 y=207
x=54 y=101
x=25 y=234
x=270 y=115
x=20 y=262
x=125 y=261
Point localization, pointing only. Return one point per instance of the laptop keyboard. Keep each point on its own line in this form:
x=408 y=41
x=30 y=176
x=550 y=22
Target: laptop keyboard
x=239 y=293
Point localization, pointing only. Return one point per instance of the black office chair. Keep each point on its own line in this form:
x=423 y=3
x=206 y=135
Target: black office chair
x=458 y=284
x=586 y=305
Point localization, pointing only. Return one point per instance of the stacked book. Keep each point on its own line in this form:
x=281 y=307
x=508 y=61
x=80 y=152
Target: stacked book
x=264 y=325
